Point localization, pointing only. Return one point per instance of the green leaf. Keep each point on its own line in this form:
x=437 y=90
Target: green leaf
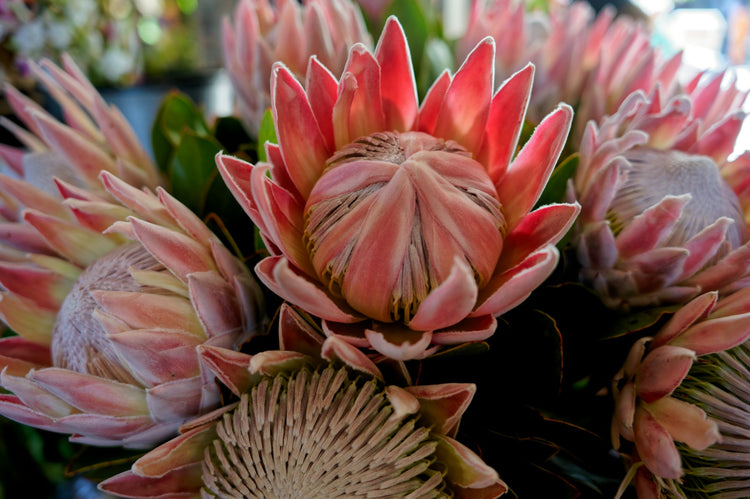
x=267 y=133
x=176 y=114
x=193 y=169
x=638 y=320
x=554 y=192
x=231 y=134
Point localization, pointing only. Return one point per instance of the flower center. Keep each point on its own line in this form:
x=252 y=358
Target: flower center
x=319 y=435
x=79 y=341
x=657 y=173
x=391 y=213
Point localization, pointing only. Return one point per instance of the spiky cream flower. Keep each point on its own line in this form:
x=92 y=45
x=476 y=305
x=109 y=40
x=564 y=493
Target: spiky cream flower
x=110 y=289
x=652 y=409
x=264 y=32
x=320 y=425
x=664 y=209
x=404 y=228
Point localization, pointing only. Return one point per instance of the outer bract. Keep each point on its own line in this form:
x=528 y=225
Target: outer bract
x=404 y=228
x=664 y=209
x=653 y=411
x=264 y=32
x=110 y=289
x=321 y=424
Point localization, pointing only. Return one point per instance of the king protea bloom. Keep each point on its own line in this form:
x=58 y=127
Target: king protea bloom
x=565 y=45
x=651 y=408
x=404 y=228
x=95 y=135
x=664 y=209
x=264 y=32
x=316 y=424
x=109 y=287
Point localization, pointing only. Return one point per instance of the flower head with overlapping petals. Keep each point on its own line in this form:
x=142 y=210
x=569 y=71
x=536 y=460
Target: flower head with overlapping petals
x=110 y=289
x=404 y=227
x=264 y=32
x=653 y=410
x=318 y=422
x=664 y=209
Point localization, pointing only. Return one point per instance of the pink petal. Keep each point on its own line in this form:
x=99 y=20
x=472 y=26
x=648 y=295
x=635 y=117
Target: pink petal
x=397 y=342
x=187 y=448
x=91 y=393
x=655 y=446
x=475 y=328
x=32 y=197
x=698 y=308
x=448 y=303
x=441 y=406
x=466 y=469
x=650 y=228
x=704 y=246
x=27 y=319
x=432 y=103
x=35 y=396
x=180 y=399
x=661 y=371
x=685 y=422
x=231 y=367
x=17 y=347
x=513 y=286
x=298 y=334
x=527 y=176
x=12 y=408
x=45 y=288
x=505 y=121
x=465 y=108
x=322 y=88
x=215 y=303
x=179 y=483
x=715 y=335
x=398 y=86
x=285 y=281
x=336 y=349
x=302 y=144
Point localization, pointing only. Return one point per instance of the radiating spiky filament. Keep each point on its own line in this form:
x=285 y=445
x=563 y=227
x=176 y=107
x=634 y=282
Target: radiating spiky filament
x=320 y=434
x=720 y=385
x=79 y=340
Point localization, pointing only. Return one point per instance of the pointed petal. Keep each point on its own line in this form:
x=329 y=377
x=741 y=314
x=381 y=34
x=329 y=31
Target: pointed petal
x=698 y=308
x=35 y=397
x=656 y=446
x=441 y=406
x=431 y=104
x=398 y=342
x=450 y=302
x=45 y=288
x=661 y=371
x=685 y=422
x=336 y=349
x=232 y=368
x=466 y=469
x=715 y=335
x=651 y=227
x=527 y=176
x=505 y=121
x=298 y=334
x=398 y=86
x=178 y=400
x=363 y=108
x=27 y=319
x=322 y=88
x=92 y=394
x=463 y=114
x=475 y=328
x=214 y=302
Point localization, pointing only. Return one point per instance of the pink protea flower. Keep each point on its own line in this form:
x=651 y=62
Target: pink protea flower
x=404 y=228
x=315 y=423
x=652 y=410
x=264 y=32
x=662 y=204
x=565 y=46
x=94 y=137
x=110 y=289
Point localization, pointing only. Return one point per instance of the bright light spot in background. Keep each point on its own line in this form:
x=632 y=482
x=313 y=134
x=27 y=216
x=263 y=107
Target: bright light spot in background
x=653 y=7
x=187 y=6
x=149 y=30
x=743 y=83
x=150 y=8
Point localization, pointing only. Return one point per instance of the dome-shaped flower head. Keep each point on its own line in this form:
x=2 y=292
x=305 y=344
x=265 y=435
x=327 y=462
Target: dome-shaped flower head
x=662 y=204
x=110 y=291
x=565 y=46
x=403 y=227
x=315 y=424
x=264 y=32
x=654 y=411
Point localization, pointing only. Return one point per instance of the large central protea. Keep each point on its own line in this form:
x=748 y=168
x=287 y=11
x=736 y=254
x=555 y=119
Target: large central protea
x=403 y=227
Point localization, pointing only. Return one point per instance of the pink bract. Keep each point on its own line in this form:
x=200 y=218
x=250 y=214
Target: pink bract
x=404 y=227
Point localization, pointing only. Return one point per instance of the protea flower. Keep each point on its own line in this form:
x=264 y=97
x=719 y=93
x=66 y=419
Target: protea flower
x=110 y=291
x=652 y=409
x=264 y=32
x=403 y=228
x=565 y=46
x=664 y=209
x=315 y=424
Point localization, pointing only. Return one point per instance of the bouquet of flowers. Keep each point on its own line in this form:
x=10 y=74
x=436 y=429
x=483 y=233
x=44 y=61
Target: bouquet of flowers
x=516 y=262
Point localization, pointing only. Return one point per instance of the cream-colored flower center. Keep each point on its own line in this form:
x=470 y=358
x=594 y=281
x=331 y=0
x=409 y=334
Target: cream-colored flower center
x=391 y=213
x=656 y=173
x=320 y=435
x=79 y=341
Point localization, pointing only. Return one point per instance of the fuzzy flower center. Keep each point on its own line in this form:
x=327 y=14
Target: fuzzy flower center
x=391 y=213
x=656 y=173
x=79 y=341
x=319 y=434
